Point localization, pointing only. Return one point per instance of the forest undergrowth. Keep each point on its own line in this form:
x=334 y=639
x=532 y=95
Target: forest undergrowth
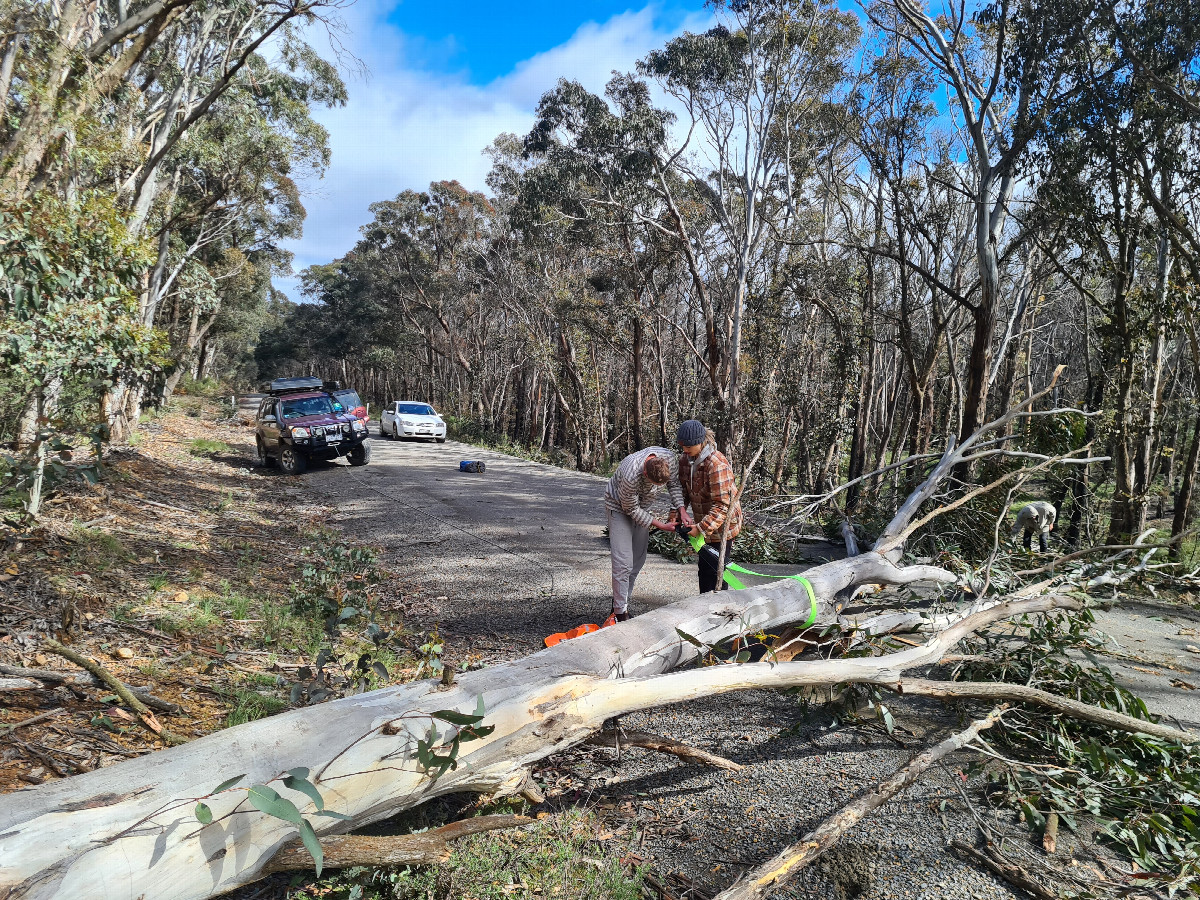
x=185 y=570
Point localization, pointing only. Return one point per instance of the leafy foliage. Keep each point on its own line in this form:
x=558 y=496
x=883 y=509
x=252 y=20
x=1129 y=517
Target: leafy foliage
x=336 y=582
x=69 y=276
x=267 y=800
x=1143 y=792
x=436 y=753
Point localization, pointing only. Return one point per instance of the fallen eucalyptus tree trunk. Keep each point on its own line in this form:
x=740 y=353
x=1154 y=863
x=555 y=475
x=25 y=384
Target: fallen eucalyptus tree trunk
x=199 y=819
x=131 y=830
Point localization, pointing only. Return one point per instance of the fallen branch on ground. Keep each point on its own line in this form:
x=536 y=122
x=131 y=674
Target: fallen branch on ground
x=794 y=858
x=1011 y=873
x=657 y=742
x=87 y=678
x=1105 y=548
x=364 y=757
x=426 y=848
x=998 y=690
x=32 y=720
x=145 y=716
x=12 y=685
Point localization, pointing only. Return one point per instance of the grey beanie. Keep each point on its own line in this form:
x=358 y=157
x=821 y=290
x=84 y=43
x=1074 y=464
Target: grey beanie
x=690 y=433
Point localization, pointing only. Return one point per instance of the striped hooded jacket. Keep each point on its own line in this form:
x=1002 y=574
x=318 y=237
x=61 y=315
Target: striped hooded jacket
x=629 y=491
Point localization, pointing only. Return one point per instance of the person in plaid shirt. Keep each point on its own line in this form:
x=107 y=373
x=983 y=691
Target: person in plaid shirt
x=707 y=481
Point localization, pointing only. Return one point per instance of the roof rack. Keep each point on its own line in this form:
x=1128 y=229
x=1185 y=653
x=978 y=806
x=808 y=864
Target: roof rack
x=292 y=385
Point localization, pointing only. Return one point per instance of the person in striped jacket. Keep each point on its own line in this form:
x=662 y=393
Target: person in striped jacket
x=628 y=499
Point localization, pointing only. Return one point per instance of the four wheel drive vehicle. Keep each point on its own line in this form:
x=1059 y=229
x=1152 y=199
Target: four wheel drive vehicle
x=297 y=423
x=413 y=420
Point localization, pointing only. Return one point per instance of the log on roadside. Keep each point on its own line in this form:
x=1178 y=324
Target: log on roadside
x=14 y=685
x=144 y=715
x=423 y=849
x=83 y=679
x=138 y=818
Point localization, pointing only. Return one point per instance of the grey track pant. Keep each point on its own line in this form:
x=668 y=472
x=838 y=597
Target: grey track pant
x=628 y=542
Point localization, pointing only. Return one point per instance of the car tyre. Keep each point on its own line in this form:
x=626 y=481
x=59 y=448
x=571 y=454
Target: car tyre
x=360 y=455
x=292 y=461
x=441 y=440
x=395 y=433
x=264 y=460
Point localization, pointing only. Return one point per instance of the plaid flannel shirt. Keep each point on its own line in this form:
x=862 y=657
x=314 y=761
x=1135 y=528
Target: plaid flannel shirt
x=708 y=486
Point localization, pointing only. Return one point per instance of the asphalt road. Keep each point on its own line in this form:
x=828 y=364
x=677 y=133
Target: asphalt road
x=527 y=534
x=1147 y=649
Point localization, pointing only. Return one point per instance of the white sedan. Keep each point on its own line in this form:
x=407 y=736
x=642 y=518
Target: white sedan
x=412 y=420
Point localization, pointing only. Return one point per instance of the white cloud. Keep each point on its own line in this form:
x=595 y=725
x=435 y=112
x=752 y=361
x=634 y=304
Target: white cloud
x=406 y=126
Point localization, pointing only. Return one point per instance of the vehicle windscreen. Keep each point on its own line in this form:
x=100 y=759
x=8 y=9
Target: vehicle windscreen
x=349 y=399
x=309 y=406
x=415 y=409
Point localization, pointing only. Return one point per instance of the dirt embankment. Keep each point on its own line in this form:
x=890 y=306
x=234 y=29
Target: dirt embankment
x=183 y=576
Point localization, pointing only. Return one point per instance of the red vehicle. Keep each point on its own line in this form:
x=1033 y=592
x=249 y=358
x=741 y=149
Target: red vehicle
x=300 y=420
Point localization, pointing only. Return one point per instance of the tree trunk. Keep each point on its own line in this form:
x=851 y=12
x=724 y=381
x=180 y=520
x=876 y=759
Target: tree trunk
x=781 y=460
x=635 y=424
x=131 y=830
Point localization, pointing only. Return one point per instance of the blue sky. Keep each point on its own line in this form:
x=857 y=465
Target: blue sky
x=485 y=41
x=445 y=78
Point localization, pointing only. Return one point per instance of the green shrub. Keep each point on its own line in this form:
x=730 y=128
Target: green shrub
x=207 y=447
x=557 y=857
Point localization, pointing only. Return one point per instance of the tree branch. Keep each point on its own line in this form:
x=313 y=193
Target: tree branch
x=994 y=690
x=786 y=864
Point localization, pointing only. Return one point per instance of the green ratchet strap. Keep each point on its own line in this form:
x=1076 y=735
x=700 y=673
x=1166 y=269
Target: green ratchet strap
x=736 y=584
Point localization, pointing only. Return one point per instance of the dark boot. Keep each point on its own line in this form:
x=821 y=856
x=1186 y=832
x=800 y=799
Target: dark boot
x=622 y=617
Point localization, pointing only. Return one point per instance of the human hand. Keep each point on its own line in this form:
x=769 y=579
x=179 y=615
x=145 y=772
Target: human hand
x=686 y=517
x=696 y=532
x=662 y=526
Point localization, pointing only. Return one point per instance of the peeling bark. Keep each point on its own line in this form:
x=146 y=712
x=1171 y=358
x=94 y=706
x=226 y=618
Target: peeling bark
x=129 y=830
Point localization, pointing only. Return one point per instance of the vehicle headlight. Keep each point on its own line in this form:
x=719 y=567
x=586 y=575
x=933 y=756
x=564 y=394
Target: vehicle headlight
x=407 y=423
x=299 y=431
x=359 y=426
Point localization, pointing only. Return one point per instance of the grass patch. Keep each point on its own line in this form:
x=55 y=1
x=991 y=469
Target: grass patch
x=249 y=705
x=207 y=447
x=185 y=619
x=97 y=551
x=237 y=605
x=558 y=856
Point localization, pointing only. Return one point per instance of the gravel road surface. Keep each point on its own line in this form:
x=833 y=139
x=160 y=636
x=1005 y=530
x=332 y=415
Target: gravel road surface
x=501 y=559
